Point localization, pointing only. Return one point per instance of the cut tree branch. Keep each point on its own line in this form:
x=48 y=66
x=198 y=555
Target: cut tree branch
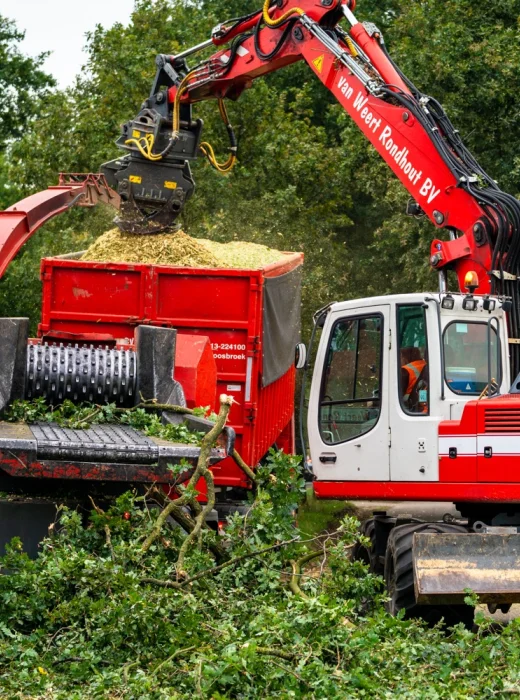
x=297 y=569
x=200 y=471
x=244 y=467
x=187 y=522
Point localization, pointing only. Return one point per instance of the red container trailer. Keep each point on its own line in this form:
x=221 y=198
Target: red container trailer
x=251 y=318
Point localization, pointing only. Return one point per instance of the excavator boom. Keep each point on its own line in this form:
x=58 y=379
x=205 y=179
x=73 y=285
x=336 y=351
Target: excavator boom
x=19 y=222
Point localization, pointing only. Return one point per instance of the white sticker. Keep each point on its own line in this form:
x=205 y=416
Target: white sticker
x=242 y=51
x=462 y=327
x=233 y=387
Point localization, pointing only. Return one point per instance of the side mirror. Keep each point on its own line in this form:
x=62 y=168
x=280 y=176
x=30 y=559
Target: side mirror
x=300 y=359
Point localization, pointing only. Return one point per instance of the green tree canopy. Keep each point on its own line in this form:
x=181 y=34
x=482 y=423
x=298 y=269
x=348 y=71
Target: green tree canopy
x=22 y=82
x=307 y=178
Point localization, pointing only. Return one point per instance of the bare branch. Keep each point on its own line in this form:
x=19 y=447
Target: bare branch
x=296 y=572
x=175 y=654
x=244 y=467
x=202 y=470
x=271 y=651
x=205 y=448
x=185 y=520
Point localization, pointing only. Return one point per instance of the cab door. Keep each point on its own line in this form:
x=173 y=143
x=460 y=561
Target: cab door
x=415 y=379
x=348 y=419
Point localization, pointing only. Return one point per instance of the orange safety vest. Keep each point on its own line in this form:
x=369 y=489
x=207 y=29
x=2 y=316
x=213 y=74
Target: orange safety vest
x=414 y=370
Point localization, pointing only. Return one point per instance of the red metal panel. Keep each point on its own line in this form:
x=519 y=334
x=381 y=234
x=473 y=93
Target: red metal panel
x=463 y=468
x=86 y=329
x=467 y=425
x=197 y=299
x=500 y=467
x=226 y=305
x=286 y=441
x=275 y=412
x=90 y=293
x=491 y=425
x=195 y=369
x=415 y=491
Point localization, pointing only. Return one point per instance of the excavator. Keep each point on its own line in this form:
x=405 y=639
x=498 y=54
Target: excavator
x=413 y=397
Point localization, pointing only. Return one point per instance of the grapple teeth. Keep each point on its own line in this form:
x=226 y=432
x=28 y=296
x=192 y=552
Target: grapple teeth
x=144 y=226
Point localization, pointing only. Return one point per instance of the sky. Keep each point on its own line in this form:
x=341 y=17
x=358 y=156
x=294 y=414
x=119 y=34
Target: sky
x=60 y=27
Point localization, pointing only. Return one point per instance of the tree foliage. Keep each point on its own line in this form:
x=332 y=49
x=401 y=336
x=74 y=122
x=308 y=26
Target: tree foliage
x=307 y=179
x=22 y=83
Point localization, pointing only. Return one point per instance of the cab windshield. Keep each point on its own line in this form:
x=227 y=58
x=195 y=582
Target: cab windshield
x=466 y=366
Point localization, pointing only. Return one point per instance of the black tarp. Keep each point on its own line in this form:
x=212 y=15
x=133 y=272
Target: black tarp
x=282 y=323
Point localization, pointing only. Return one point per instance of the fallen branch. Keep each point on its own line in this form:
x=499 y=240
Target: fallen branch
x=165 y=514
x=271 y=651
x=187 y=522
x=244 y=467
x=152 y=405
x=98 y=510
x=108 y=540
x=127 y=668
x=199 y=522
x=175 y=654
x=297 y=569
x=108 y=536
x=216 y=569
x=89 y=418
x=203 y=471
x=67 y=660
x=200 y=471
x=162 y=584
x=289 y=670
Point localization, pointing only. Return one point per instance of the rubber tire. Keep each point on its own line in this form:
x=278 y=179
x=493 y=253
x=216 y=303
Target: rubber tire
x=399 y=578
x=368 y=554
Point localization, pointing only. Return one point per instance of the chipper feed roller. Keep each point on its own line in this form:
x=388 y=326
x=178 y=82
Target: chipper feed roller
x=102 y=375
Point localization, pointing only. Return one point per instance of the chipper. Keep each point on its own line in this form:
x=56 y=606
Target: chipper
x=124 y=334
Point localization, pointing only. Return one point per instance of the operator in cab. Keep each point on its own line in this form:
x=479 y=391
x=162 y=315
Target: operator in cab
x=411 y=373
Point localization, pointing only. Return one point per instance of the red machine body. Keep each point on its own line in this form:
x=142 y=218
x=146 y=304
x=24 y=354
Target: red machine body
x=97 y=302
x=479 y=461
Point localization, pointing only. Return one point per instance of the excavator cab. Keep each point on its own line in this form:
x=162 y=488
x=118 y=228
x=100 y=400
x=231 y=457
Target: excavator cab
x=389 y=372
x=411 y=400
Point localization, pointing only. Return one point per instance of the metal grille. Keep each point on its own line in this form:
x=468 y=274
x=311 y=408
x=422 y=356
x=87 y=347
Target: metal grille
x=100 y=375
x=113 y=443
x=500 y=420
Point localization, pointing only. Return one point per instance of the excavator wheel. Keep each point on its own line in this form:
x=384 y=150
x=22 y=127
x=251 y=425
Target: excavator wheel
x=367 y=554
x=400 y=583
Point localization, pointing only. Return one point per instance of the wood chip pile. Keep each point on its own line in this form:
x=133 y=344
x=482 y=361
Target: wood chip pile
x=180 y=250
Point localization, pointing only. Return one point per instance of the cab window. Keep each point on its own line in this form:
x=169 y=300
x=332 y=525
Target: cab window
x=413 y=370
x=466 y=351
x=350 y=402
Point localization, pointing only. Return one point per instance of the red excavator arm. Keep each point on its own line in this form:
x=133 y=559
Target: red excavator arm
x=19 y=222
x=355 y=68
x=409 y=130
